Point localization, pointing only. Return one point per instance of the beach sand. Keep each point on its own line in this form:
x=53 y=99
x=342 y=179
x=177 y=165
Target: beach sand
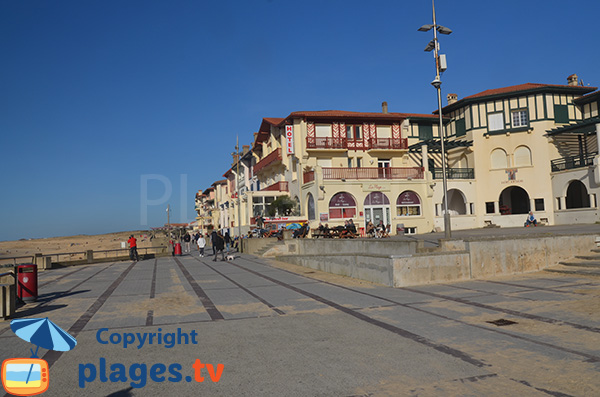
x=70 y=244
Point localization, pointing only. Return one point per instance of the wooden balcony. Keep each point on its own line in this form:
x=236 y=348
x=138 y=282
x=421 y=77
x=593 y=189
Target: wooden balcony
x=388 y=143
x=269 y=159
x=328 y=143
x=309 y=176
x=373 y=173
x=281 y=186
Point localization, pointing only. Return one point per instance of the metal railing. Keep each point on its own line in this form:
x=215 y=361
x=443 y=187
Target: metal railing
x=572 y=162
x=454 y=173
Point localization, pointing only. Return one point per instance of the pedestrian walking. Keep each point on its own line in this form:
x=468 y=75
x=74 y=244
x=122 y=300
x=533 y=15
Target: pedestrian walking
x=227 y=241
x=201 y=244
x=187 y=240
x=219 y=246
x=213 y=239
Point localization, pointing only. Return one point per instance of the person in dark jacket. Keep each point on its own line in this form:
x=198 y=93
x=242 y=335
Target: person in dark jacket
x=219 y=246
x=227 y=241
x=213 y=239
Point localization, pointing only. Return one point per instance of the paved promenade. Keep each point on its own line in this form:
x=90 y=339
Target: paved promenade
x=280 y=330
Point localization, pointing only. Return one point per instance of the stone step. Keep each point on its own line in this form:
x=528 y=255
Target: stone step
x=596 y=250
x=589 y=257
x=581 y=263
x=583 y=271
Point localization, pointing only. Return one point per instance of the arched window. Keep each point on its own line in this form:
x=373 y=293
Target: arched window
x=341 y=206
x=310 y=207
x=577 y=195
x=377 y=199
x=522 y=156
x=408 y=204
x=498 y=159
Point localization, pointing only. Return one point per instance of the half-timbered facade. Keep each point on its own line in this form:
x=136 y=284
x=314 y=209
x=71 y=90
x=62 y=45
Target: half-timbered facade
x=515 y=151
x=343 y=165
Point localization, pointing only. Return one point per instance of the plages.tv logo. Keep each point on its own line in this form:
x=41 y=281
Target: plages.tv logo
x=30 y=376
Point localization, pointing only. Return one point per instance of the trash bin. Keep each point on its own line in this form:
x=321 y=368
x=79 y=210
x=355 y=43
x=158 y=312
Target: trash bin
x=27 y=282
x=178 y=249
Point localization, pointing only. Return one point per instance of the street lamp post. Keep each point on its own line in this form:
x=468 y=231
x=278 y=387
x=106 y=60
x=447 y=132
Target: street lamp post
x=237 y=185
x=440 y=67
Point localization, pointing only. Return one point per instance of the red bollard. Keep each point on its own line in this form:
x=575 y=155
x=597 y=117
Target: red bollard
x=178 y=249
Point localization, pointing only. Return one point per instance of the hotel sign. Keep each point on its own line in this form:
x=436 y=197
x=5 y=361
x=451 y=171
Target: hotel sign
x=289 y=138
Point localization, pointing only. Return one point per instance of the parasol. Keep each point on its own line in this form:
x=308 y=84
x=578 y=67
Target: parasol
x=43 y=333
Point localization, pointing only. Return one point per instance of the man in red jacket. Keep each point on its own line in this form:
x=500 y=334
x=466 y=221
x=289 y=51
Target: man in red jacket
x=133 y=254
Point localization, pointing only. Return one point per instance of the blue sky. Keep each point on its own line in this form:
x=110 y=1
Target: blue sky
x=97 y=97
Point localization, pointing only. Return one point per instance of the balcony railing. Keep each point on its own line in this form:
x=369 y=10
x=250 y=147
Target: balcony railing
x=389 y=143
x=569 y=163
x=268 y=160
x=281 y=186
x=309 y=176
x=326 y=143
x=373 y=173
x=343 y=143
x=454 y=173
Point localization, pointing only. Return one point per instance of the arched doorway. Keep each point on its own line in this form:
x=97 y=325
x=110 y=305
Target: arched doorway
x=377 y=208
x=456 y=202
x=310 y=207
x=514 y=200
x=577 y=195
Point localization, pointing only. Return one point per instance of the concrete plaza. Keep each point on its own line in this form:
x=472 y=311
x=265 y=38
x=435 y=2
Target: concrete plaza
x=282 y=330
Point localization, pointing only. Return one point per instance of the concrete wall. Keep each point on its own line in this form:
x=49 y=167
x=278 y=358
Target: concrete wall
x=375 y=269
x=398 y=264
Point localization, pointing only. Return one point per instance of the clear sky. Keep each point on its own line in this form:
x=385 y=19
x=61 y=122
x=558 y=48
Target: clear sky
x=104 y=105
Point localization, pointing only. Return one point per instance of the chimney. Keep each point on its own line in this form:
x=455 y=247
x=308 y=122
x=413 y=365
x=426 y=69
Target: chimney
x=235 y=158
x=384 y=107
x=452 y=98
x=245 y=149
x=572 y=79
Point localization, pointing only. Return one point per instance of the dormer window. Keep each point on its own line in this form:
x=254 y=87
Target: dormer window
x=495 y=122
x=520 y=119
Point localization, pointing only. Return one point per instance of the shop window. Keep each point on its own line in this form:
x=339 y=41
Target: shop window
x=408 y=204
x=341 y=206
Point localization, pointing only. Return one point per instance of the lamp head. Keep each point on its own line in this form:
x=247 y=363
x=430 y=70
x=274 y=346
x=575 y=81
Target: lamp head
x=444 y=30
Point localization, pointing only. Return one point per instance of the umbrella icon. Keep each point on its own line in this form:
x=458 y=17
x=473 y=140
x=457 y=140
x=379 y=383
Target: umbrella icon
x=43 y=332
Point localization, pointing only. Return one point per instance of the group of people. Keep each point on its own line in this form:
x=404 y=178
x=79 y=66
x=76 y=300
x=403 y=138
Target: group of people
x=347 y=231
x=379 y=231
